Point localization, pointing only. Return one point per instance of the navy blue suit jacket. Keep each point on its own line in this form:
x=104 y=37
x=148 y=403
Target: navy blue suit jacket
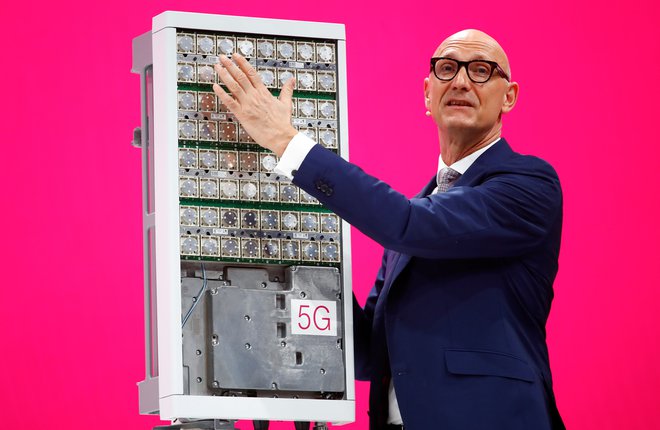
x=457 y=314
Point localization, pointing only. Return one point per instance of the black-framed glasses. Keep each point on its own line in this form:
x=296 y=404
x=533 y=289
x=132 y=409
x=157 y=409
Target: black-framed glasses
x=479 y=71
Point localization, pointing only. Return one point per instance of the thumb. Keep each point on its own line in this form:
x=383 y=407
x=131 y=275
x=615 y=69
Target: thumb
x=286 y=94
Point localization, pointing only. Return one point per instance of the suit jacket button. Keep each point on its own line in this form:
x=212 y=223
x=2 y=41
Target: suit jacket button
x=328 y=192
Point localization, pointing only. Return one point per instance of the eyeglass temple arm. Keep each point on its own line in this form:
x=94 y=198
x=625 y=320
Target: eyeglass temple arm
x=502 y=73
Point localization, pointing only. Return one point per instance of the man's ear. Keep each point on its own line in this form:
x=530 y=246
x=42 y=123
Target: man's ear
x=427 y=90
x=510 y=97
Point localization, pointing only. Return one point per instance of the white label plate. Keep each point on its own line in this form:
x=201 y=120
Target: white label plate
x=314 y=317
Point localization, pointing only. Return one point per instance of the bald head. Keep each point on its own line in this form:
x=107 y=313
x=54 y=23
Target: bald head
x=480 y=44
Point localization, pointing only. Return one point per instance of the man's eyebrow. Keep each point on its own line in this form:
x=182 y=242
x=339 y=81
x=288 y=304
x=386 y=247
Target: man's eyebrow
x=475 y=56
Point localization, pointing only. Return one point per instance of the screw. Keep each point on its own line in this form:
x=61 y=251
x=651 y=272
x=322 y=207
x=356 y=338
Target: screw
x=282 y=344
x=248 y=346
x=273 y=386
x=322 y=371
x=199 y=379
x=264 y=285
x=216 y=384
x=247 y=317
x=214 y=291
x=303 y=295
x=198 y=352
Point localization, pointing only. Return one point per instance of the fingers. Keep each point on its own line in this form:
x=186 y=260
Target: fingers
x=228 y=78
x=239 y=74
x=240 y=80
x=286 y=94
x=226 y=99
x=249 y=72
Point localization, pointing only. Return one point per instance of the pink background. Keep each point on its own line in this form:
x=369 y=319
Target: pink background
x=72 y=324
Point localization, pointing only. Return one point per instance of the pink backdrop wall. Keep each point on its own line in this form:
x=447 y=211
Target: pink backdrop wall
x=71 y=320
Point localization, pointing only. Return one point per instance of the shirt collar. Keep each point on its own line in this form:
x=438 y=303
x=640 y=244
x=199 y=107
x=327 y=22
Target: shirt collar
x=464 y=163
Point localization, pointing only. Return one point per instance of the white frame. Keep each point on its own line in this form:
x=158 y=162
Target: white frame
x=168 y=400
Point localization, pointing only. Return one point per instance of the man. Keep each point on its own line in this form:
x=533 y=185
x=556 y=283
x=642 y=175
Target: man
x=453 y=334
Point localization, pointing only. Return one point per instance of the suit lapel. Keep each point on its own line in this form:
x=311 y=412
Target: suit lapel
x=485 y=164
x=474 y=174
x=399 y=260
x=430 y=186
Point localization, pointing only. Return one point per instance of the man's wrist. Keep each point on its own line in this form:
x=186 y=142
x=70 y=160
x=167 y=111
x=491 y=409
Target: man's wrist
x=280 y=144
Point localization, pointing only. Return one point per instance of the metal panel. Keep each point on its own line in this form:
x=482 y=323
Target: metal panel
x=252 y=346
x=148 y=392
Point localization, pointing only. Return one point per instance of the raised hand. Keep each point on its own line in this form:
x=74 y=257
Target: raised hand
x=266 y=118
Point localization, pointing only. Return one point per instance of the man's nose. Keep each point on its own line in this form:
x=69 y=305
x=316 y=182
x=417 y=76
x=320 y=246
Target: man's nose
x=461 y=80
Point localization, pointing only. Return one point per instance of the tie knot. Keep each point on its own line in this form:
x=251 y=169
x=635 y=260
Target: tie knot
x=446 y=178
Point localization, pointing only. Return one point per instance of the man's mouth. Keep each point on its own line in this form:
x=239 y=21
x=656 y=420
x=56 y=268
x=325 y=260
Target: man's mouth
x=459 y=103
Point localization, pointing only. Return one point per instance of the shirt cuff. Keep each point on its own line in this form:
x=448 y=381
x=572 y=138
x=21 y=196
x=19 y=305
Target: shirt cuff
x=294 y=155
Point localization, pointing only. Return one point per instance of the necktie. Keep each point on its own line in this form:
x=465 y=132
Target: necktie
x=446 y=178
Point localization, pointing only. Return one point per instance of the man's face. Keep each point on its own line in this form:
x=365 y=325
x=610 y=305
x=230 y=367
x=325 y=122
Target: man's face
x=460 y=105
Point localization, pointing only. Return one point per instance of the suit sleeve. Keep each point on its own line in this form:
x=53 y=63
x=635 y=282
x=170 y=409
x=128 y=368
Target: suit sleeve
x=363 y=321
x=507 y=215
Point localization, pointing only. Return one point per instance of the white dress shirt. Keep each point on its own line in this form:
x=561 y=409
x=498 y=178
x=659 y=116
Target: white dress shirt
x=293 y=157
